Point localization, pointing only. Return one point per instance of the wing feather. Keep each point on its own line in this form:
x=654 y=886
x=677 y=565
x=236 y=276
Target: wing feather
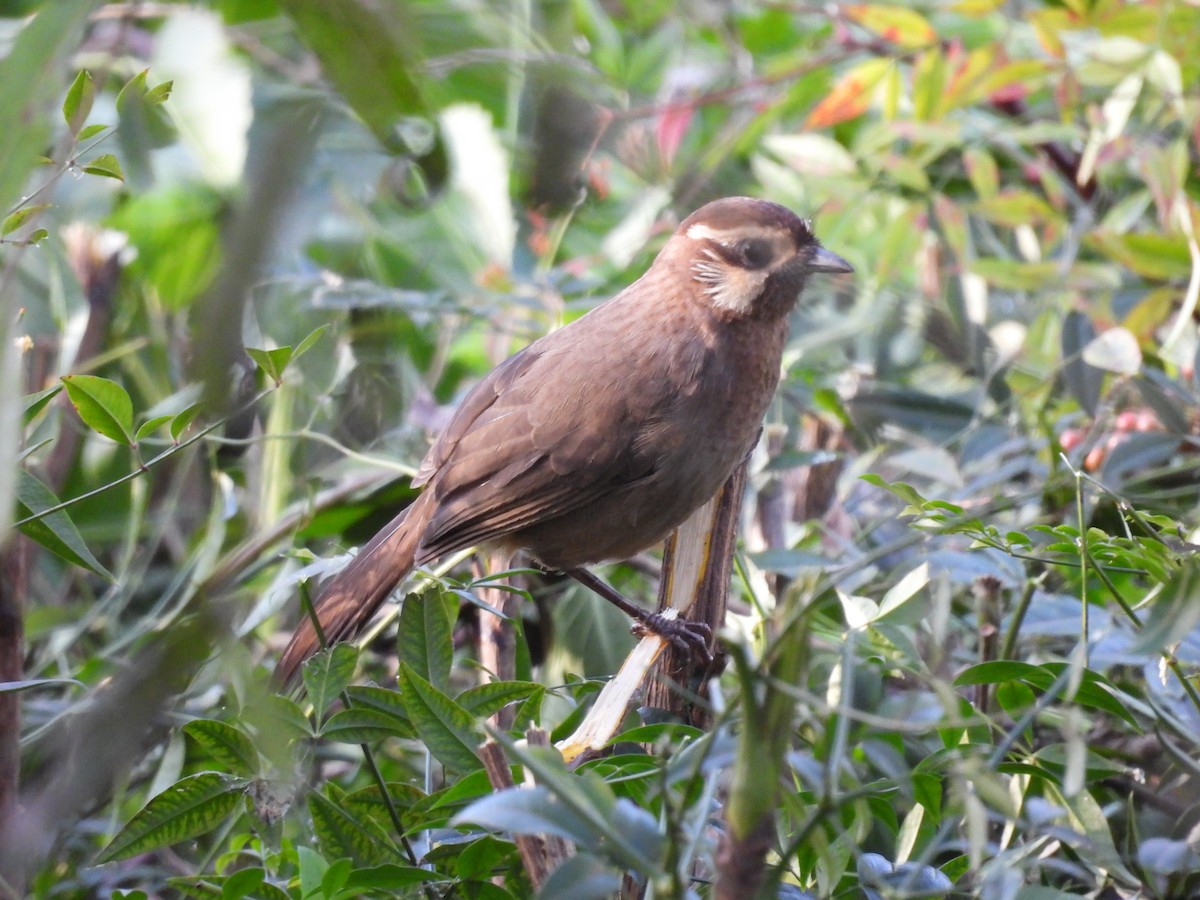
x=549 y=431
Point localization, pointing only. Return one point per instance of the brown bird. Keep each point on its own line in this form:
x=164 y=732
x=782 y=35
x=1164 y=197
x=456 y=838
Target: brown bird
x=597 y=440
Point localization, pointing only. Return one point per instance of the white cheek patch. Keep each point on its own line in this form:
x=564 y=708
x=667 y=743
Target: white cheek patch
x=727 y=287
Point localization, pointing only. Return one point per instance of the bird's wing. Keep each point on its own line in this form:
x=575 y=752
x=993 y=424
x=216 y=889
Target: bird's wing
x=549 y=431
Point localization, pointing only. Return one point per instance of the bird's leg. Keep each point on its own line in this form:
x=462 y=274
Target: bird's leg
x=692 y=638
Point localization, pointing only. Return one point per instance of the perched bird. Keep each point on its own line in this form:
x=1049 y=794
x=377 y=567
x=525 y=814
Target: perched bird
x=597 y=440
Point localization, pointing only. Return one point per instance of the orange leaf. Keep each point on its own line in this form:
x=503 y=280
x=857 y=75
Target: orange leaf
x=850 y=97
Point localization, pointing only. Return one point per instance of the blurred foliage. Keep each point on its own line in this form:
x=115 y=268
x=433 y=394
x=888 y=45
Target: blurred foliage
x=976 y=505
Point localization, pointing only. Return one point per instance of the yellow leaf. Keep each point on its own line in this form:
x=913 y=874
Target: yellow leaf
x=897 y=24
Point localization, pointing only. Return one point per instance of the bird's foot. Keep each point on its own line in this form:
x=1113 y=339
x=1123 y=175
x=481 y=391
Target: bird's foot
x=692 y=639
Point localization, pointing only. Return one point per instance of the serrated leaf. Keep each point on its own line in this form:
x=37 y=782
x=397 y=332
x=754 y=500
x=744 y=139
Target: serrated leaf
x=446 y=728
x=369 y=802
x=17 y=219
x=78 y=103
x=424 y=637
x=345 y=835
x=364 y=726
x=192 y=806
x=103 y=405
x=327 y=674
x=150 y=426
x=55 y=531
x=230 y=748
x=386 y=700
x=484 y=700
x=105 y=165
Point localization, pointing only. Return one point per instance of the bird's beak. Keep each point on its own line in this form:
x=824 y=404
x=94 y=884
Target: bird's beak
x=828 y=261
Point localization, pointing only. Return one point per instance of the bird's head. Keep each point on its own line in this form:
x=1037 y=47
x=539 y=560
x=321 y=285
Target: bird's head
x=751 y=257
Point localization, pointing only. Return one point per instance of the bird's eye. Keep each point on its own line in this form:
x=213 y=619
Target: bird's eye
x=754 y=253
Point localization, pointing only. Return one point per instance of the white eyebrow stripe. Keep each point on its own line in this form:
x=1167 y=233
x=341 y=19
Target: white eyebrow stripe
x=702 y=232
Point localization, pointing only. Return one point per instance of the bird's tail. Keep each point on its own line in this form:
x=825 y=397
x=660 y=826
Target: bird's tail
x=347 y=603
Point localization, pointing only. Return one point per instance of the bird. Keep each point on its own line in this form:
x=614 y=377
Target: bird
x=598 y=439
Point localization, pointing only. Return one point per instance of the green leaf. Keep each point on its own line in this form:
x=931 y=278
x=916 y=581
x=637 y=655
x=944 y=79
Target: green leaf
x=369 y=802
x=1013 y=208
x=311 y=338
x=160 y=93
x=131 y=91
x=192 y=806
x=272 y=362
x=91 y=131
x=106 y=165
x=36 y=60
x=176 y=231
x=103 y=405
x=384 y=880
x=983 y=171
x=56 y=532
x=343 y=834
x=365 y=726
x=368 y=53
x=385 y=700
x=446 y=728
x=1156 y=256
x=1094 y=690
x=424 y=640
x=37 y=236
x=15 y=687
x=180 y=423
x=35 y=403
x=78 y=103
x=327 y=674
x=929 y=84
x=150 y=426
x=484 y=700
x=284 y=713
x=905 y=492
x=230 y=748
x=997 y=671
x=17 y=219
x=580 y=807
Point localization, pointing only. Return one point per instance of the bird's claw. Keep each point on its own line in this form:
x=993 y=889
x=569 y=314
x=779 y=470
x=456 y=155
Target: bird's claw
x=692 y=639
